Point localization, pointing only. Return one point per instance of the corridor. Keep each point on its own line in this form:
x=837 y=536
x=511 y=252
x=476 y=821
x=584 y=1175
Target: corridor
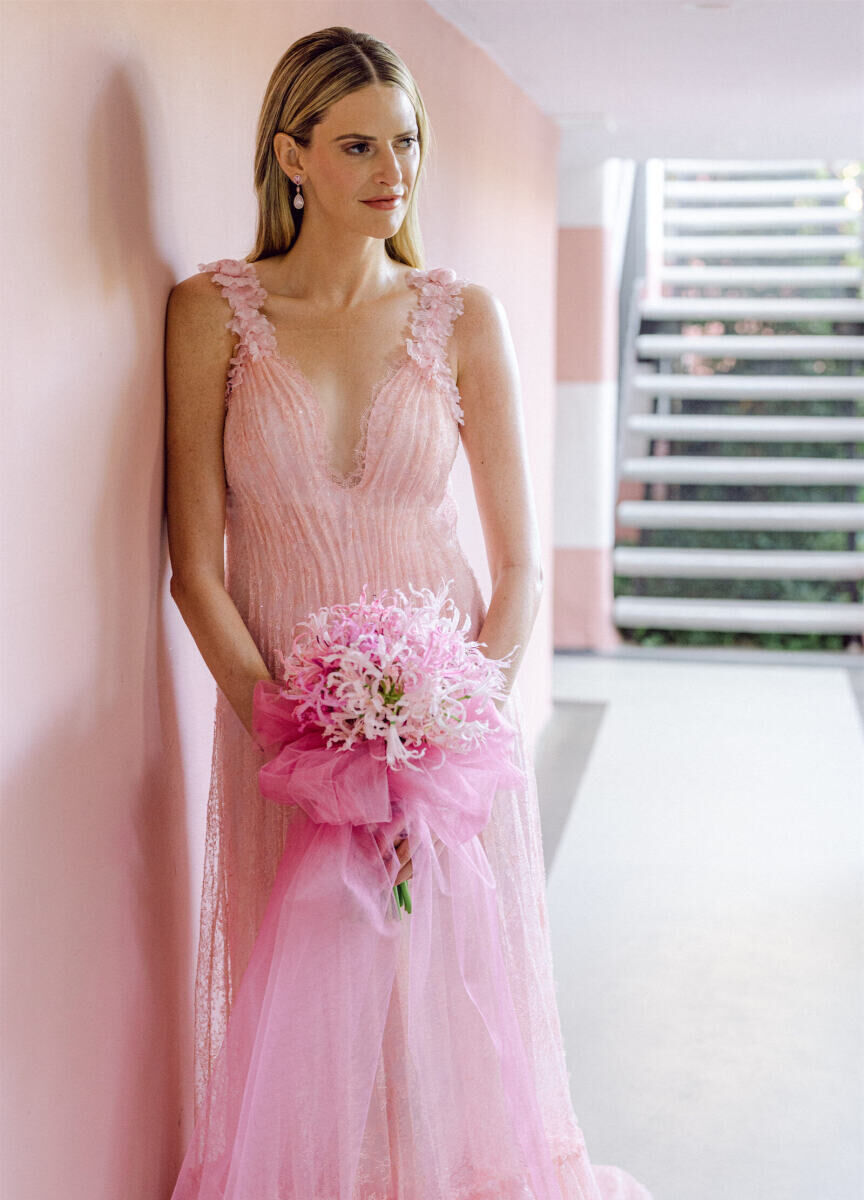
x=705 y=893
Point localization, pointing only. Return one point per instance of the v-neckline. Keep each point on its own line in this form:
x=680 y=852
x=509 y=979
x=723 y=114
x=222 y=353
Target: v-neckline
x=359 y=471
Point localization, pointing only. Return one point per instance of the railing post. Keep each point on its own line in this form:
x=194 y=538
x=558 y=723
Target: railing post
x=654 y=232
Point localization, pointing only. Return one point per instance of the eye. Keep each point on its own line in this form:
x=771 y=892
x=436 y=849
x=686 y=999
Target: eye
x=355 y=145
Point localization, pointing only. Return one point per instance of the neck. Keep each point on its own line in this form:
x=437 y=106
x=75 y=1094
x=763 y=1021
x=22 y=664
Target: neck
x=335 y=273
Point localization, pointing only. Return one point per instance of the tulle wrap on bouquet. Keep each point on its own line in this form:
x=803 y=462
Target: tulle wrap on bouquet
x=289 y=1097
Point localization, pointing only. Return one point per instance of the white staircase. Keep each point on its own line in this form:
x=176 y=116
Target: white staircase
x=742 y=403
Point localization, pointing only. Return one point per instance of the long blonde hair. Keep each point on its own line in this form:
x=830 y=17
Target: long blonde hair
x=313 y=73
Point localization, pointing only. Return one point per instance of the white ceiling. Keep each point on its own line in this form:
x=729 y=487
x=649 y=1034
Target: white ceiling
x=683 y=78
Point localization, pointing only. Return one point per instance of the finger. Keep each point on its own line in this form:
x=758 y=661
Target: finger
x=386 y=847
x=403 y=851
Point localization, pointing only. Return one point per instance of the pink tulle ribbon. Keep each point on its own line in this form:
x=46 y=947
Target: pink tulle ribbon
x=288 y=1099
x=450 y=793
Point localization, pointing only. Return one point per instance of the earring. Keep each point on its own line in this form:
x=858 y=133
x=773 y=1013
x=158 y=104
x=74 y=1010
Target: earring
x=298 y=199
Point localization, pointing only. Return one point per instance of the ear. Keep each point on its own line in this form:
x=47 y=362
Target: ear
x=287 y=154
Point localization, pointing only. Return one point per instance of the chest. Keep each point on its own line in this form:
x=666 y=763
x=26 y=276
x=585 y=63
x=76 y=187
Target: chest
x=279 y=456
x=345 y=355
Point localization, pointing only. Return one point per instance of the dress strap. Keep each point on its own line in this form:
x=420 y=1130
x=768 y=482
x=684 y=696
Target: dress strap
x=239 y=285
x=439 y=304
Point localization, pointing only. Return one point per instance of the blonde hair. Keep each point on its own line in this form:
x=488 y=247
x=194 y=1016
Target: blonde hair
x=313 y=73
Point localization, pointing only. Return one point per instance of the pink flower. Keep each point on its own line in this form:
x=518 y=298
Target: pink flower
x=441 y=275
x=393 y=669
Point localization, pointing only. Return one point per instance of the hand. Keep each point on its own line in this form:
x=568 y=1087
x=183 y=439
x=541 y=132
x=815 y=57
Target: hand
x=402 y=849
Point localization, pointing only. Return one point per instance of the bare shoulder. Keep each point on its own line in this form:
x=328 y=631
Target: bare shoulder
x=195 y=320
x=196 y=299
x=481 y=332
x=199 y=348
x=481 y=309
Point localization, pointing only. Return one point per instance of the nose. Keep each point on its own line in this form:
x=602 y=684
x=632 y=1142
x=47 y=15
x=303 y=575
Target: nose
x=389 y=168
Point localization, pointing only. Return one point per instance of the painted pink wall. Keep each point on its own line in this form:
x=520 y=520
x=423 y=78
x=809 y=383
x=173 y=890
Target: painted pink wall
x=587 y=338
x=127 y=153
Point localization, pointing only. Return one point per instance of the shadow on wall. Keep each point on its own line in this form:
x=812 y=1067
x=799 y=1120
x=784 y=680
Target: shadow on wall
x=96 y=870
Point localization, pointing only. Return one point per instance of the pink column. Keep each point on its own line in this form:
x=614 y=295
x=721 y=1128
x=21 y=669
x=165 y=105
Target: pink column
x=587 y=365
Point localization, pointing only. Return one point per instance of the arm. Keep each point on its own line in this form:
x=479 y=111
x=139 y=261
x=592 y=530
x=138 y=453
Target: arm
x=197 y=352
x=494 y=439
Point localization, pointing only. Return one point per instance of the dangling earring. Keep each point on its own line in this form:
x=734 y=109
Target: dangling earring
x=298 y=199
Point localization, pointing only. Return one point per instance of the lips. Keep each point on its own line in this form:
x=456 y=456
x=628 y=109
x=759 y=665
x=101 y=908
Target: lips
x=385 y=201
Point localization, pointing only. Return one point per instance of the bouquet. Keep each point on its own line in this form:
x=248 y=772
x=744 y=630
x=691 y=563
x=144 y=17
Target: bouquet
x=394 y=674
x=384 y=722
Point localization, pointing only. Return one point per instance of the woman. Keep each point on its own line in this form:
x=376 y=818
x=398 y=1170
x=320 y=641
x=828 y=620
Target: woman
x=315 y=428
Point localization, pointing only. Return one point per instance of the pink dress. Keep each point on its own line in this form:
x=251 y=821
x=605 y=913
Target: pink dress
x=299 y=536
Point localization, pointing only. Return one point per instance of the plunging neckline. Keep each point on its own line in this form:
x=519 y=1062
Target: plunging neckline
x=359 y=470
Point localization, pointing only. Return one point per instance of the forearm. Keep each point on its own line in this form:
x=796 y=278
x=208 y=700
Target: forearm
x=512 y=611
x=225 y=643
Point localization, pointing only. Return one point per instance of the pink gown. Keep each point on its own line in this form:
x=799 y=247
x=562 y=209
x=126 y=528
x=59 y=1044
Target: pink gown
x=299 y=536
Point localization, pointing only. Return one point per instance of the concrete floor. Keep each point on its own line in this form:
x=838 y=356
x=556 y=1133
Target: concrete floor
x=703 y=830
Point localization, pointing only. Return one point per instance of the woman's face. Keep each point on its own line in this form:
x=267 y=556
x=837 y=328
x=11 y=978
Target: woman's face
x=366 y=146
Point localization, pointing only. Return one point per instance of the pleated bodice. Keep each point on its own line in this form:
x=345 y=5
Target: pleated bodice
x=299 y=535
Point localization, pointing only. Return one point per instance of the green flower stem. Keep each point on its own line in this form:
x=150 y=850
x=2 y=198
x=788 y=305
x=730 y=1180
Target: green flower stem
x=403 y=896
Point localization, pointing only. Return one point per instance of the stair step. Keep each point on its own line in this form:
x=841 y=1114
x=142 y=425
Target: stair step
x=743 y=166
x=760 y=216
x=679 y=468
x=741 y=616
x=754 y=387
x=760 y=190
x=748 y=227
x=760 y=346
x=801 y=277
x=801 y=516
x=737 y=564
x=755 y=246
x=762 y=308
x=748 y=429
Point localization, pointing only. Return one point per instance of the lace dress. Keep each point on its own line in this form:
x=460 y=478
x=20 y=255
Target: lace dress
x=298 y=536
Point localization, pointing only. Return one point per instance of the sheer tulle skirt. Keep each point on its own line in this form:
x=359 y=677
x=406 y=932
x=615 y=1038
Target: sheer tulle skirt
x=387 y=1090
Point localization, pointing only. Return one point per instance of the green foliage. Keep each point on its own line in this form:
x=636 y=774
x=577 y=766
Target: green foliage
x=749 y=641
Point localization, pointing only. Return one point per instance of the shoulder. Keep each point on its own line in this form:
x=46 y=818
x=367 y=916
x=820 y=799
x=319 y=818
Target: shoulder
x=196 y=313
x=201 y=298
x=482 y=328
x=194 y=292
x=481 y=308
x=210 y=280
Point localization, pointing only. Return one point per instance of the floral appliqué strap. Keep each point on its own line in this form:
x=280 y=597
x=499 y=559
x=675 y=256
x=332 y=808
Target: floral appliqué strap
x=440 y=303
x=239 y=285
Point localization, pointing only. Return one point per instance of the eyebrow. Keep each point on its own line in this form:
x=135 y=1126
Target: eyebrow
x=368 y=137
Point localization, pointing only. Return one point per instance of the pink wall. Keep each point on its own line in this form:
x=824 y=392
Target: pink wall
x=129 y=141
x=587 y=339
